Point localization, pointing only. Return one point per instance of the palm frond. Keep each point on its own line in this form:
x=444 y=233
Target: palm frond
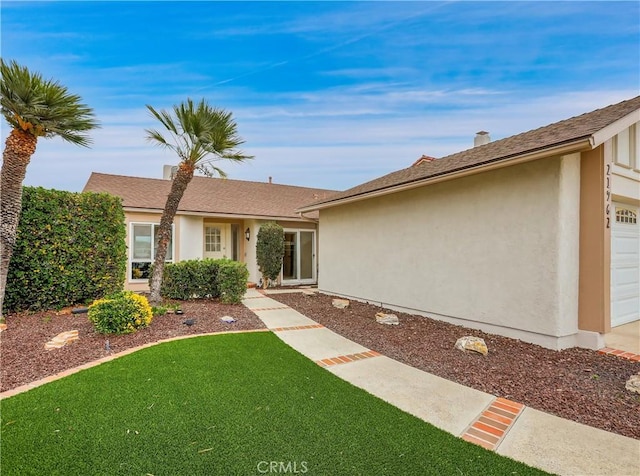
x=41 y=107
x=200 y=134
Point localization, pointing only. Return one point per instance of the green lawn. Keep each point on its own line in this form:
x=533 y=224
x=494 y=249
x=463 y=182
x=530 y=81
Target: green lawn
x=228 y=405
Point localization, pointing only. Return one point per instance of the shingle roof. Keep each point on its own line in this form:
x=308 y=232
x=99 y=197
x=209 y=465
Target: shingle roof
x=557 y=134
x=205 y=195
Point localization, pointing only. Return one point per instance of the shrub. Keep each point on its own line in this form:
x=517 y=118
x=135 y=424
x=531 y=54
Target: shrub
x=121 y=313
x=232 y=281
x=159 y=310
x=189 y=279
x=270 y=250
x=207 y=278
x=70 y=248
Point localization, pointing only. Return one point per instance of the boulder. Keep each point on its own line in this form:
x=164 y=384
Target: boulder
x=340 y=303
x=633 y=384
x=62 y=339
x=474 y=344
x=3 y=327
x=390 y=319
x=228 y=319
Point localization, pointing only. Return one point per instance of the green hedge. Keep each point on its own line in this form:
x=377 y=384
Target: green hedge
x=207 y=278
x=232 y=281
x=70 y=249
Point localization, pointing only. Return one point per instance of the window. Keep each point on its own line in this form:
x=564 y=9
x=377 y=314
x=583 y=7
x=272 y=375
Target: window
x=143 y=243
x=626 y=147
x=212 y=239
x=624 y=215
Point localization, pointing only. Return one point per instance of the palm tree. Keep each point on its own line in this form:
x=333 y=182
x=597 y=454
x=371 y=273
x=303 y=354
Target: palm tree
x=34 y=108
x=200 y=135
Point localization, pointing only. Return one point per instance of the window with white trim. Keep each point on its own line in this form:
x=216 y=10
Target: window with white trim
x=212 y=239
x=143 y=244
x=624 y=215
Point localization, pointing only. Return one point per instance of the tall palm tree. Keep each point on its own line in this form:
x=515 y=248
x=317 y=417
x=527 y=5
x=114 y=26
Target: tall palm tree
x=34 y=108
x=200 y=135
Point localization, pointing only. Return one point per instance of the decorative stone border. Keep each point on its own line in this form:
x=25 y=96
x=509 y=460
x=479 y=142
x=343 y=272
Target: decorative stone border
x=94 y=363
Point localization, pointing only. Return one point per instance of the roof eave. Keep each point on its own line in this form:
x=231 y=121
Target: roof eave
x=560 y=149
x=231 y=216
x=614 y=128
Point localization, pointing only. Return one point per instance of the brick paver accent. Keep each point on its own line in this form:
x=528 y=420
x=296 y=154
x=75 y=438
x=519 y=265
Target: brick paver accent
x=297 y=328
x=275 y=308
x=620 y=353
x=490 y=428
x=345 y=359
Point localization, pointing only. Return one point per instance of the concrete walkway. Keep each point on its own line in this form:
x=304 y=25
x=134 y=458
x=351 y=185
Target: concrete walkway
x=509 y=428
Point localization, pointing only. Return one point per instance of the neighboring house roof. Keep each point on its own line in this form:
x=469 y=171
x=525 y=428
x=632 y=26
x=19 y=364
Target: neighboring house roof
x=577 y=133
x=422 y=160
x=211 y=196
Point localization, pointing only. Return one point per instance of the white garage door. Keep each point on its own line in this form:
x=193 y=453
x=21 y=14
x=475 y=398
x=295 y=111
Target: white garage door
x=625 y=265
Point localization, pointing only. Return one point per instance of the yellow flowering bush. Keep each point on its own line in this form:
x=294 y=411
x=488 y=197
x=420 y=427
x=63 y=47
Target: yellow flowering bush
x=121 y=313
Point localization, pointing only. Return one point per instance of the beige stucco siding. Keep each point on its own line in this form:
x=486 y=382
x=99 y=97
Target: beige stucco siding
x=191 y=238
x=497 y=248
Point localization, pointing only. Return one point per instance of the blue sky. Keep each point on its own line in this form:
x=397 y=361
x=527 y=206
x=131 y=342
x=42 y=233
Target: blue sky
x=325 y=94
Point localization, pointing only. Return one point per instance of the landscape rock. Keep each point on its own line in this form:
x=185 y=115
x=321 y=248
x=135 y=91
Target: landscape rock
x=62 y=339
x=390 y=319
x=3 y=327
x=633 y=384
x=228 y=319
x=340 y=303
x=474 y=344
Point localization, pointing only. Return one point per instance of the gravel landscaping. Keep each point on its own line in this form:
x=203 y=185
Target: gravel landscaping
x=577 y=384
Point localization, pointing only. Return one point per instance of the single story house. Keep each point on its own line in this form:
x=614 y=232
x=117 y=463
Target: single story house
x=535 y=236
x=217 y=218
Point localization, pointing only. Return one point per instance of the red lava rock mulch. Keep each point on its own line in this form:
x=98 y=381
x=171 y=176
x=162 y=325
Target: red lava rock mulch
x=24 y=358
x=577 y=384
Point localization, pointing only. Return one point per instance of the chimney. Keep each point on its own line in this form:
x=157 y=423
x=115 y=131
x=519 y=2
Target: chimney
x=169 y=171
x=481 y=138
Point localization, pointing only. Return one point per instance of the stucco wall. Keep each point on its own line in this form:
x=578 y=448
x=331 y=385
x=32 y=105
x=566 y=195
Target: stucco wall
x=190 y=240
x=498 y=250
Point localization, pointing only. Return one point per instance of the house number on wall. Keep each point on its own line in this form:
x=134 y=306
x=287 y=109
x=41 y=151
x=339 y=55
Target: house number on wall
x=607 y=191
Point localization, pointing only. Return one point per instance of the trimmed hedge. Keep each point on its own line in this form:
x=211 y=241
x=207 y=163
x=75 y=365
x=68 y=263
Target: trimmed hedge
x=207 y=278
x=232 y=281
x=270 y=251
x=70 y=248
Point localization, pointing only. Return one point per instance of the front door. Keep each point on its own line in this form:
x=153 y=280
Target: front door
x=216 y=240
x=299 y=263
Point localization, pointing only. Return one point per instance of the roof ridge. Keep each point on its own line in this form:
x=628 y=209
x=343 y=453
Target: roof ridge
x=216 y=178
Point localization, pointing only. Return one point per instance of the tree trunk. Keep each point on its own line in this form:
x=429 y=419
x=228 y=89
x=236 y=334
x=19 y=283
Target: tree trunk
x=19 y=148
x=178 y=187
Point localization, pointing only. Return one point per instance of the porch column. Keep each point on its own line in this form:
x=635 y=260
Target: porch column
x=594 y=302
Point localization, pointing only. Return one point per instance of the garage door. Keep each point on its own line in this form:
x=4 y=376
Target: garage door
x=625 y=265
